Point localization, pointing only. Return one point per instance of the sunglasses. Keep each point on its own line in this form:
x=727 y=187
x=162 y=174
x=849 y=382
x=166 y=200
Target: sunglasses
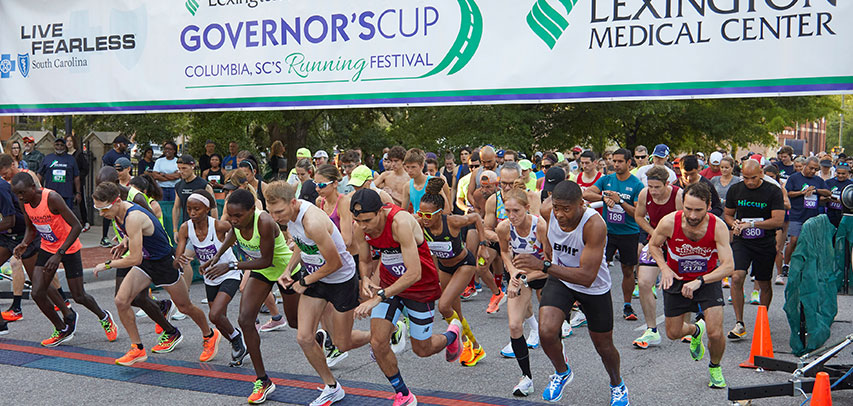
x=428 y=216
x=322 y=185
x=546 y=167
x=473 y=166
x=107 y=207
x=640 y=156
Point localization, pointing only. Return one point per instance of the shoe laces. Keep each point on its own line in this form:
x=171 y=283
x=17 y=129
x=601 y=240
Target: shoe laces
x=618 y=392
x=259 y=386
x=556 y=380
x=164 y=337
x=55 y=333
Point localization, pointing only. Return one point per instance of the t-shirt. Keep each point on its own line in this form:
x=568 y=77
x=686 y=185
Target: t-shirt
x=308 y=192
x=723 y=190
x=229 y=163
x=641 y=174
x=183 y=190
x=110 y=157
x=618 y=221
x=835 y=210
x=785 y=171
x=167 y=167
x=144 y=166
x=344 y=187
x=58 y=173
x=710 y=173
x=204 y=162
x=9 y=207
x=756 y=205
x=803 y=208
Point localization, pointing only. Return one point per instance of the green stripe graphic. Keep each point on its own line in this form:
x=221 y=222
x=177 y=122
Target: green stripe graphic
x=547 y=23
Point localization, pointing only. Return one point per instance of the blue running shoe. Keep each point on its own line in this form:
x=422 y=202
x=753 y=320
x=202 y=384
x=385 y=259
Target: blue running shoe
x=558 y=382
x=619 y=395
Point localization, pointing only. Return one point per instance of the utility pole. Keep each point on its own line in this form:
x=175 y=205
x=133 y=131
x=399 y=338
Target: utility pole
x=841 y=123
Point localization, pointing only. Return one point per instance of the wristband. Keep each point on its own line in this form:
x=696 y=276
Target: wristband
x=302 y=282
x=701 y=280
x=232 y=266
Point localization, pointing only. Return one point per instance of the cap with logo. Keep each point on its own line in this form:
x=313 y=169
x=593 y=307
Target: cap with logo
x=187 y=159
x=321 y=154
x=661 y=151
x=360 y=175
x=28 y=139
x=554 y=176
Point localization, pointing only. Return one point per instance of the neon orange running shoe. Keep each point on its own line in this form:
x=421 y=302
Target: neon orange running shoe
x=58 y=337
x=495 y=302
x=168 y=342
x=261 y=391
x=467 y=351
x=12 y=315
x=133 y=356
x=211 y=346
x=110 y=327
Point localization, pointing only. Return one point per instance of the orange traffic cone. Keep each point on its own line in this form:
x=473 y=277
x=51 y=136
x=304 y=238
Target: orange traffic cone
x=820 y=393
x=762 y=345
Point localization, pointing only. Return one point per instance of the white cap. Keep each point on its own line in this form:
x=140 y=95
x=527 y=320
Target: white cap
x=716 y=158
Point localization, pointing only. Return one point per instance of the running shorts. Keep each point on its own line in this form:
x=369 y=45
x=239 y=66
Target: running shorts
x=72 y=263
x=343 y=296
x=626 y=245
x=597 y=308
x=421 y=315
x=674 y=304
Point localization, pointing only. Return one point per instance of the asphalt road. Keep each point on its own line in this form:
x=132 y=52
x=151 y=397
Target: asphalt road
x=664 y=375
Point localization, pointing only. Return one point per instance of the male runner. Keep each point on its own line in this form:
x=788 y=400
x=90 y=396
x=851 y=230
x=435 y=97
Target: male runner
x=803 y=188
x=52 y=220
x=659 y=157
x=394 y=180
x=834 y=209
x=413 y=164
x=691 y=274
x=409 y=283
x=754 y=210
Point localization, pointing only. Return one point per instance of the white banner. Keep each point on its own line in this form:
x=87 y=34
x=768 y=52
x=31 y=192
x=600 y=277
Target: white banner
x=79 y=56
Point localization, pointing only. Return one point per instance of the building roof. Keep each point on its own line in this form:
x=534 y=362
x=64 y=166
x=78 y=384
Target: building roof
x=106 y=137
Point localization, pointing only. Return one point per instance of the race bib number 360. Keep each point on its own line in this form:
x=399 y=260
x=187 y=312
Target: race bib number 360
x=393 y=262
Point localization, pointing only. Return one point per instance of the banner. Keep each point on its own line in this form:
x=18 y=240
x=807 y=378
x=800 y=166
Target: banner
x=90 y=56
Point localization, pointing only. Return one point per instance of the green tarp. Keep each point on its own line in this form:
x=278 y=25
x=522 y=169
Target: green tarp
x=843 y=243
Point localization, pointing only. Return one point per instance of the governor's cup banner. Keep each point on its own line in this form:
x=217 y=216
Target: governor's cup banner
x=79 y=56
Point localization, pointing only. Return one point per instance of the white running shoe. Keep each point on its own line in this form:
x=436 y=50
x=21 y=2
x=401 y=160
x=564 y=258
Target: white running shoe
x=533 y=339
x=524 y=387
x=578 y=320
x=335 y=357
x=398 y=339
x=140 y=313
x=507 y=352
x=178 y=315
x=567 y=329
x=329 y=395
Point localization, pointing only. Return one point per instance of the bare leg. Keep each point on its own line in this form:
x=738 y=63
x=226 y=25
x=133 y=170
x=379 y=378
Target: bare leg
x=647 y=277
x=254 y=293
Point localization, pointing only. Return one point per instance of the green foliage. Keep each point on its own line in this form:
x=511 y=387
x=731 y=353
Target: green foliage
x=833 y=122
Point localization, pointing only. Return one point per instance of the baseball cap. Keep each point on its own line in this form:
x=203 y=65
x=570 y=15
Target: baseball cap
x=28 y=139
x=365 y=201
x=577 y=148
x=525 y=164
x=360 y=175
x=716 y=158
x=122 y=163
x=560 y=157
x=121 y=140
x=187 y=159
x=321 y=154
x=827 y=163
x=431 y=155
x=554 y=176
x=661 y=151
x=500 y=153
x=759 y=158
x=303 y=153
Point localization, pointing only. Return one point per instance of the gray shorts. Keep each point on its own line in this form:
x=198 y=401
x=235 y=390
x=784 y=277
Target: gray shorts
x=794 y=228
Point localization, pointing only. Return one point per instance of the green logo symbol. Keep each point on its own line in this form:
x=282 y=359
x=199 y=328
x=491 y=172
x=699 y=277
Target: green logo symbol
x=467 y=40
x=546 y=22
x=192 y=6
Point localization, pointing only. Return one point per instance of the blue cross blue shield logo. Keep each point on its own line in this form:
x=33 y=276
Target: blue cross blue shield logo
x=7 y=66
x=24 y=64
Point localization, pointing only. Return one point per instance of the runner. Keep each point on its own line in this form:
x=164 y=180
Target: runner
x=414 y=167
x=457 y=264
x=50 y=218
x=695 y=241
x=394 y=180
x=579 y=273
x=150 y=259
x=204 y=234
x=409 y=284
x=656 y=200
x=834 y=209
x=524 y=233
x=803 y=188
x=261 y=240
x=328 y=277
x=619 y=191
x=689 y=168
x=755 y=209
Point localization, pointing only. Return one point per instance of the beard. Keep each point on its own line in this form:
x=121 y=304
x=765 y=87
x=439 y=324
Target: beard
x=694 y=222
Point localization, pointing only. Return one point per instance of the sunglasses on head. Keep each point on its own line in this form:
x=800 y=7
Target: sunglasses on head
x=428 y=216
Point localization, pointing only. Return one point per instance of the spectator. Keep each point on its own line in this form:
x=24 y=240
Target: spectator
x=292 y=177
x=204 y=159
x=166 y=170
x=277 y=161
x=146 y=163
x=659 y=157
x=32 y=156
x=230 y=161
x=350 y=160
x=213 y=175
x=84 y=163
x=119 y=150
x=59 y=172
x=713 y=169
x=726 y=179
x=17 y=155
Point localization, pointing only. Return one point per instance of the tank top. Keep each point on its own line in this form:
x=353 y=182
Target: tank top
x=155 y=246
x=444 y=245
x=657 y=211
x=207 y=249
x=528 y=244
x=585 y=185
x=51 y=227
x=427 y=289
x=335 y=217
x=567 y=252
x=415 y=195
x=215 y=176
x=312 y=260
x=252 y=249
x=691 y=259
x=500 y=209
x=131 y=194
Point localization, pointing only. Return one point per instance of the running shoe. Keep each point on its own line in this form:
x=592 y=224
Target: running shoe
x=619 y=395
x=729 y=299
x=557 y=383
x=133 y=356
x=71 y=322
x=738 y=332
x=210 y=346
x=478 y=286
x=204 y=301
x=566 y=329
x=578 y=320
x=467 y=351
x=58 y=337
x=779 y=280
x=507 y=352
x=168 y=309
x=264 y=309
x=524 y=387
x=106 y=243
x=468 y=293
x=408 y=400
x=335 y=356
x=261 y=391
x=329 y=395
x=398 y=339
x=238 y=350
x=754 y=299
x=12 y=315
x=274 y=325
x=636 y=292
x=648 y=338
x=140 y=313
x=168 y=342
x=454 y=348
x=177 y=316
x=628 y=313
x=697 y=347
x=785 y=269
x=110 y=327
x=495 y=302
x=4 y=328
x=86 y=227
x=67 y=304
x=477 y=355
x=323 y=340
x=717 y=381
x=726 y=283
x=687 y=339
x=533 y=339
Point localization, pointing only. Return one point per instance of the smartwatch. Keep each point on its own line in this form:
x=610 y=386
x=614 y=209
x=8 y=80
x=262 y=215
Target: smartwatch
x=60 y=251
x=485 y=243
x=107 y=264
x=381 y=293
x=545 y=265
x=701 y=280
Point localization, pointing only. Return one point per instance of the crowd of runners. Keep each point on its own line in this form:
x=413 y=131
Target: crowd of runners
x=337 y=241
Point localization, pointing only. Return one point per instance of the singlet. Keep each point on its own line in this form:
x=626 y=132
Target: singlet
x=529 y=244
x=500 y=209
x=155 y=246
x=585 y=185
x=51 y=227
x=312 y=260
x=252 y=249
x=207 y=249
x=415 y=195
x=444 y=245
x=335 y=217
x=215 y=176
x=427 y=289
x=691 y=259
x=131 y=194
x=658 y=211
x=567 y=252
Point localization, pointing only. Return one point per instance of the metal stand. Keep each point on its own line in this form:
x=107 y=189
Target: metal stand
x=796 y=384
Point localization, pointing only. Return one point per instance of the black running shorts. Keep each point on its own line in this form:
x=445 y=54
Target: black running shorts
x=597 y=308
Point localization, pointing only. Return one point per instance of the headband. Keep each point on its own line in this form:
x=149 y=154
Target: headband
x=200 y=198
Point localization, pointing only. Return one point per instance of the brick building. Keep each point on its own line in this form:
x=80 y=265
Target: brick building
x=806 y=138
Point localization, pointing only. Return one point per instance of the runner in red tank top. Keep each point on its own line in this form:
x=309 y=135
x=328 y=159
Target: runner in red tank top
x=49 y=218
x=695 y=241
x=589 y=171
x=656 y=200
x=409 y=282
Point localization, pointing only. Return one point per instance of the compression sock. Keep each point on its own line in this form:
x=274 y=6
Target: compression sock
x=16 y=303
x=139 y=346
x=451 y=337
x=452 y=317
x=522 y=355
x=466 y=330
x=532 y=323
x=398 y=384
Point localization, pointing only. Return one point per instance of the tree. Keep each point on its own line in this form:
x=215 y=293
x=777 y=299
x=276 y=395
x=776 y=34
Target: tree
x=833 y=124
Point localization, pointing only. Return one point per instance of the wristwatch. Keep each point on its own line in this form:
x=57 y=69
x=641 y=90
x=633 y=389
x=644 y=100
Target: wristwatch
x=381 y=293
x=60 y=251
x=621 y=200
x=485 y=243
x=107 y=264
x=302 y=282
x=701 y=280
x=545 y=265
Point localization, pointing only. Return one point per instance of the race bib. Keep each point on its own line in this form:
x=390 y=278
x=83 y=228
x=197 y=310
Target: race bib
x=393 y=262
x=312 y=262
x=836 y=205
x=441 y=249
x=646 y=258
x=752 y=233
x=214 y=178
x=46 y=232
x=59 y=176
x=205 y=253
x=229 y=167
x=692 y=266
x=616 y=215
x=810 y=202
